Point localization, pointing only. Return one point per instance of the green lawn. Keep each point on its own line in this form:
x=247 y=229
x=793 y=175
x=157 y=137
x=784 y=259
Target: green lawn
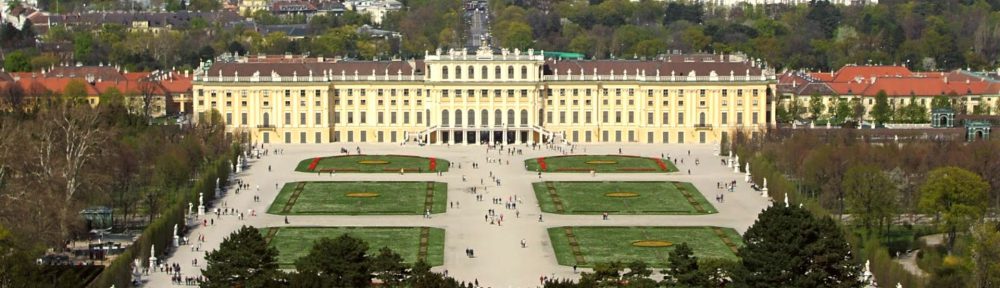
x=294 y=242
x=372 y=164
x=606 y=244
x=342 y=198
x=624 y=198
x=600 y=164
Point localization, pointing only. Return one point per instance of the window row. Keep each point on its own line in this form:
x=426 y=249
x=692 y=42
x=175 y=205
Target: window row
x=380 y=117
x=484 y=72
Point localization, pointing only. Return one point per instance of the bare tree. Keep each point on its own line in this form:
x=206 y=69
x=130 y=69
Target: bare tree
x=67 y=143
x=147 y=91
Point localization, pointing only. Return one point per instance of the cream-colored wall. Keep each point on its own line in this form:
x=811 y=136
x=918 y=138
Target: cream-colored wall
x=237 y=98
x=970 y=102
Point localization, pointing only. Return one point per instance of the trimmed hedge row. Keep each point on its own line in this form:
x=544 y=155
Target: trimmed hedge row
x=160 y=231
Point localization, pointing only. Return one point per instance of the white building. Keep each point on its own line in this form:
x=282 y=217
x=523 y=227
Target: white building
x=376 y=10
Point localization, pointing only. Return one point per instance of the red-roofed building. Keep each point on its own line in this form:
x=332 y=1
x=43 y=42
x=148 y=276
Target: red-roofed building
x=969 y=92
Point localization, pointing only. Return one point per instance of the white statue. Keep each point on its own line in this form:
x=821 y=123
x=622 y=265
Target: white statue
x=201 y=204
x=175 y=230
x=190 y=208
x=786 y=200
x=736 y=164
x=748 y=168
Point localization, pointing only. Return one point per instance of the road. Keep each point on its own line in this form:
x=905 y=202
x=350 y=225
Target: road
x=478 y=21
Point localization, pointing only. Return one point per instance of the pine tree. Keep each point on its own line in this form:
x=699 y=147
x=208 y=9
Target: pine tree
x=243 y=260
x=881 y=112
x=682 y=268
x=340 y=262
x=388 y=267
x=789 y=247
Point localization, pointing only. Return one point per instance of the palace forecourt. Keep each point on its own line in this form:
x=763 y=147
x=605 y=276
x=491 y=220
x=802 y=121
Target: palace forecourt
x=486 y=96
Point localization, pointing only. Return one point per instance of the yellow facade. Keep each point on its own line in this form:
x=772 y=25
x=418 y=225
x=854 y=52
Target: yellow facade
x=510 y=97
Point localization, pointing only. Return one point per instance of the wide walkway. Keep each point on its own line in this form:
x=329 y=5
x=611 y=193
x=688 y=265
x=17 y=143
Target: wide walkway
x=500 y=260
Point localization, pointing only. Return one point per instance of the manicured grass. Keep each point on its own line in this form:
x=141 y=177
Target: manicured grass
x=294 y=242
x=606 y=244
x=600 y=164
x=342 y=198
x=632 y=198
x=372 y=164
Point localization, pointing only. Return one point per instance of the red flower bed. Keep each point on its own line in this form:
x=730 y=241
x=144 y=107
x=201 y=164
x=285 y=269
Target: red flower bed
x=312 y=166
x=433 y=164
x=541 y=164
x=663 y=166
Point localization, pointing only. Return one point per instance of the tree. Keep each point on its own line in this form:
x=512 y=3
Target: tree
x=789 y=247
x=340 y=262
x=244 y=259
x=986 y=255
x=816 y=107
x=682 y=268
x=881 y=112
x=940 y=101
x=388 y=267
x=957 y=195
x=638 y=274
x=857 y=109
x=421 y=276
x=75 y=91
x=782 y=114
x=870 y=195
x=17 y=61
x=796 y=109
x=843 y=110
x=147 y=92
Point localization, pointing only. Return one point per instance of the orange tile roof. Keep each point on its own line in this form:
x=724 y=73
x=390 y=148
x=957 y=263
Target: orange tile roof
x=54 y=85
x=177 y=84
x=851 y=73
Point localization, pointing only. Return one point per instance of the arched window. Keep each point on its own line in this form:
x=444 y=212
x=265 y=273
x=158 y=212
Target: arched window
x=510 y=117
x=510 y=72
x=444 y=118
x=524 y=72
x=267 y=119
x=485 y=116
x=458 y=72
x=458 y=117
x=497 y=118
x=496 y=73
x=472 y=73
x=444 y=72
x=524 y=117
x=472 y=118
x=486 y=73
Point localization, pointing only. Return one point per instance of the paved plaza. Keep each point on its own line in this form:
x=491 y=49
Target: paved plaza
x=500 y=260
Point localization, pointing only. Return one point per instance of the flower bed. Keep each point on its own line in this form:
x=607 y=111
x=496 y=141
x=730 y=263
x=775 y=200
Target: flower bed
x=541 y=164
x=663 y=166
x=312 y=166
x=433 y=164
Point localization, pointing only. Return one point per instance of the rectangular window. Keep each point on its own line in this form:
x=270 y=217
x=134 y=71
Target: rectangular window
x=406 y=117
x=666 y=118
x=380 y=120
x=548 y=117
x=350 y=118
x=587 y=117
x=680 y=137
x=649 y=118
x=618 y=136
x=288 y=118
x=420 y=119
x=243 y=118
x=319 y=118
x=666 y=137
x=363 y=120
x=754 y=118
x=725 y=118
x=680 y=119
x=576 y=119
x=631 y=136
x=288 y=136
x=229 y=118
x=631 y=117
x=302 y=119
x=562 y=117
x=392 y=117
x=739 y=118
x=604 y=118
x=364 y=136
x=618 y=116
x=649 y=137
x=319 y=137
x=302 y=137
x=350 y=136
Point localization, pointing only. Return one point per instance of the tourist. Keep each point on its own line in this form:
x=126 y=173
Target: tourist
x=523 y=243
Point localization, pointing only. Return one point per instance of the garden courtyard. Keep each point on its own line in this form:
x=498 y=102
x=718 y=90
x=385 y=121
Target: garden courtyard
x=304 y=194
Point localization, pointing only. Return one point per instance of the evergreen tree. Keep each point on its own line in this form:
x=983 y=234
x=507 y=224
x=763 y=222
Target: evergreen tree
x=422 y=277
x=881 y=112
x=243 y=260
x=682 y=268
x=789 y=247
x=388 y=267
x=340 y=262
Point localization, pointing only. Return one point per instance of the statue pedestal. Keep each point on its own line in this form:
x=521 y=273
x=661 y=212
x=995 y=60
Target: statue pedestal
x=152 y=264
x=177 y=241
x=764 y=193
x=201 y=210
x=747 y=178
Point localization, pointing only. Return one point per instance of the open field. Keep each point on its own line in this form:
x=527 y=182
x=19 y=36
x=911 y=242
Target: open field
x=294 y=242
x=372 y=164
x=599 y=164
x=621 y=197
x=585 y=246
x=360 y=198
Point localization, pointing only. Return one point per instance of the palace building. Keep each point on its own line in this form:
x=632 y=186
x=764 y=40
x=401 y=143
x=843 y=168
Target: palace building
x=486 y=97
